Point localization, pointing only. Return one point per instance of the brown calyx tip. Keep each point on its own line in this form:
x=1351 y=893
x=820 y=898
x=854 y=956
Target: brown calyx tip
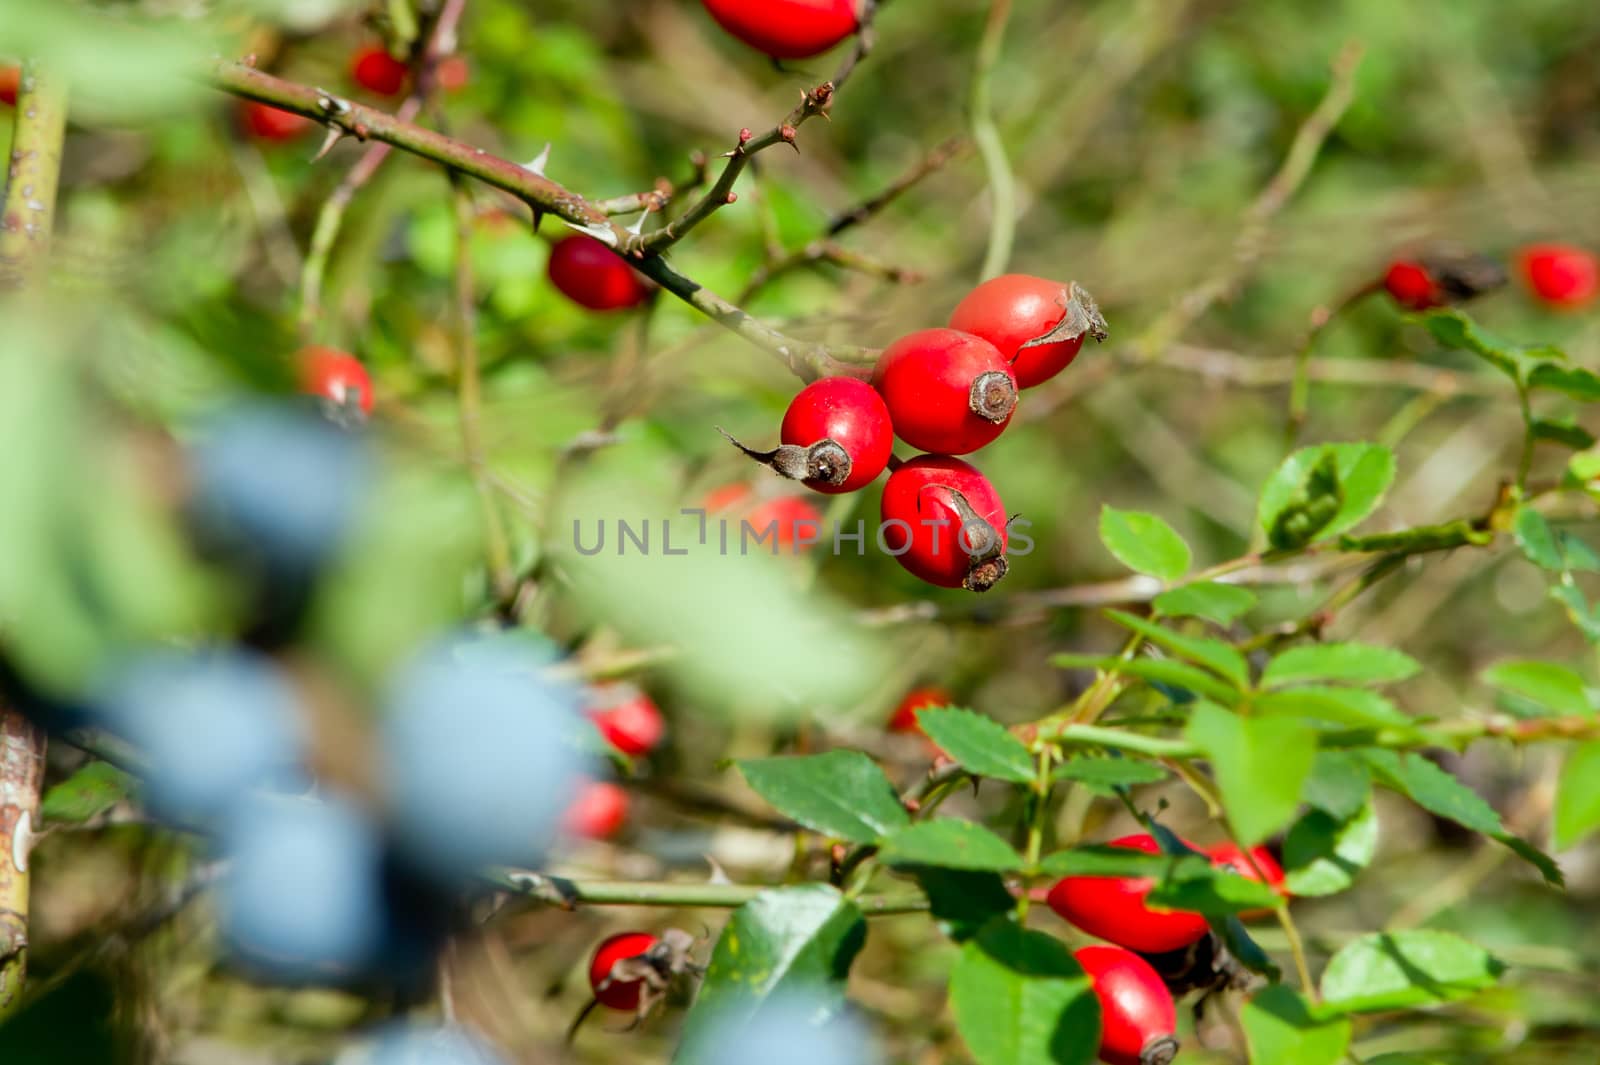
x=1080 y=315
x=985 y=574
x=993 y=396
x=1159 y=1050
x=827 y=462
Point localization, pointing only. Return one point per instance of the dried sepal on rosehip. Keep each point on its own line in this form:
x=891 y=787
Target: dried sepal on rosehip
x=944 y=522
x=634 y=972
x=837 y=437
x=1037 y=324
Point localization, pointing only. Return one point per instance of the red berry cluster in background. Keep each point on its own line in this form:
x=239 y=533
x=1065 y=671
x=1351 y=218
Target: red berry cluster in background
x=947 y=391
x=10 y=82
x=336 y=377
x=375 y=70
x=788 y=29
x=273 y=125
x=1561 y=276
x=590 y=275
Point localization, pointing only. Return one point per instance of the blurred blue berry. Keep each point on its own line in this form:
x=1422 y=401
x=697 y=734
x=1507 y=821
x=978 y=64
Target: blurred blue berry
x=302 y=899
x=419 y=1045
x=791 y=1028
x=208 y=726
x=278 y=481
x=482 y=756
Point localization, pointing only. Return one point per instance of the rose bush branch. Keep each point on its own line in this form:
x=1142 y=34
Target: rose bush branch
x=571 y=894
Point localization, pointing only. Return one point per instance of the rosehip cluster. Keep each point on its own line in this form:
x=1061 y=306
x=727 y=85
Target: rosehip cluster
x=1561 y=276
x=1135 y=977
x=949 y=392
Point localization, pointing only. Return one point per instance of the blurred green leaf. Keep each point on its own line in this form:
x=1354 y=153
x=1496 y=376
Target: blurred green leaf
x=1105 y=774
x=1219 y=657
x=1354 y=707
x=1339 y=784
x=1454 y=329
x=1538 y=540
x=1574 y=381
x=1421 y=538
x=1164 y=670
x=1322 y=491
x=1566 y=433
x=950 y=844
x=1345 y=663
x=1280 y=1029
x=1322 y=855
x=1144 y=543
x=89 y=792
x=1260 y=764
x=837 y=793
x=980 y=744
x=1400 y=970
x=1554 y=686
x=962 y=900
x=1019 y=998
x=1211 y=600
x=1578 y=795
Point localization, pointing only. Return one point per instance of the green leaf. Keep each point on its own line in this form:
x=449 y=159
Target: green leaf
x=1574 y=381
x=1401 y=970
x=1566 y=433
x=1197 y=886
x=962 y=900
x=1339 y=784
x=1322 y=491
x=1105 y=774
x=1100 y=859
x=1345 y=663
x=1220 y=658
x=1577 y=608
x=840 y=793
x=980 y=744
x=1281 y=1030
x=802 y=937
x=89 y=792
x=1323 y=854
x=1578 y=795
x=1455 y=330
x=1546 y=683
x=1159 y=670
x=1144 y=543
x=1436 y=791
x=1019 y=998
x=1458 y=533
x=950 y=844
x=1538 y=540
x=1260 y=764
x=1355 y=707
x=1211 y=600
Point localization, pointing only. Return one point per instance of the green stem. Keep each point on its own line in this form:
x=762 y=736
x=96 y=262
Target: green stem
x=27 y=214
x=986 y=135
x=1525 y=461
x=1037 y=807
x=558 y=891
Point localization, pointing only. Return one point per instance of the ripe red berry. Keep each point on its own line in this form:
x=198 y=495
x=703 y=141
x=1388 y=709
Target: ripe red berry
x=375 y=70
x=589 y=275
x=1018 y=315
x=948 y=392
x=1227 y=855
x=836 y=436
x=608 y=990
x=273 y=124
x=336 y=376
x=1138 y=1019
x=792 y=515
x=944 y=522
x=1560 y=274
x=1114 y=908
x=628 y=719
x=787 y=29
x=10 y=82
x=1413 y=286
x=598 y=812
x=904 y=718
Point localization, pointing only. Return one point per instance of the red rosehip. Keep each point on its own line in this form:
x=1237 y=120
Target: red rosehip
x=598 y=812
x=1413 y=286
x=1227 y=855
x=270 y=123
x=904 y=718
x=10 y=82
x=1560 y=274
x=628 y=719
x=335 y=375
x=787 y=29
x=609 y=991
x=836 y=437
x=1016 y=313
x=375 y=70
x=1113 y=908
x=587 y=273
x=727 y=497
x=453 y=73
x=791 y=514
x=944 y=522
x=947 y=392
x=1138 y=1019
